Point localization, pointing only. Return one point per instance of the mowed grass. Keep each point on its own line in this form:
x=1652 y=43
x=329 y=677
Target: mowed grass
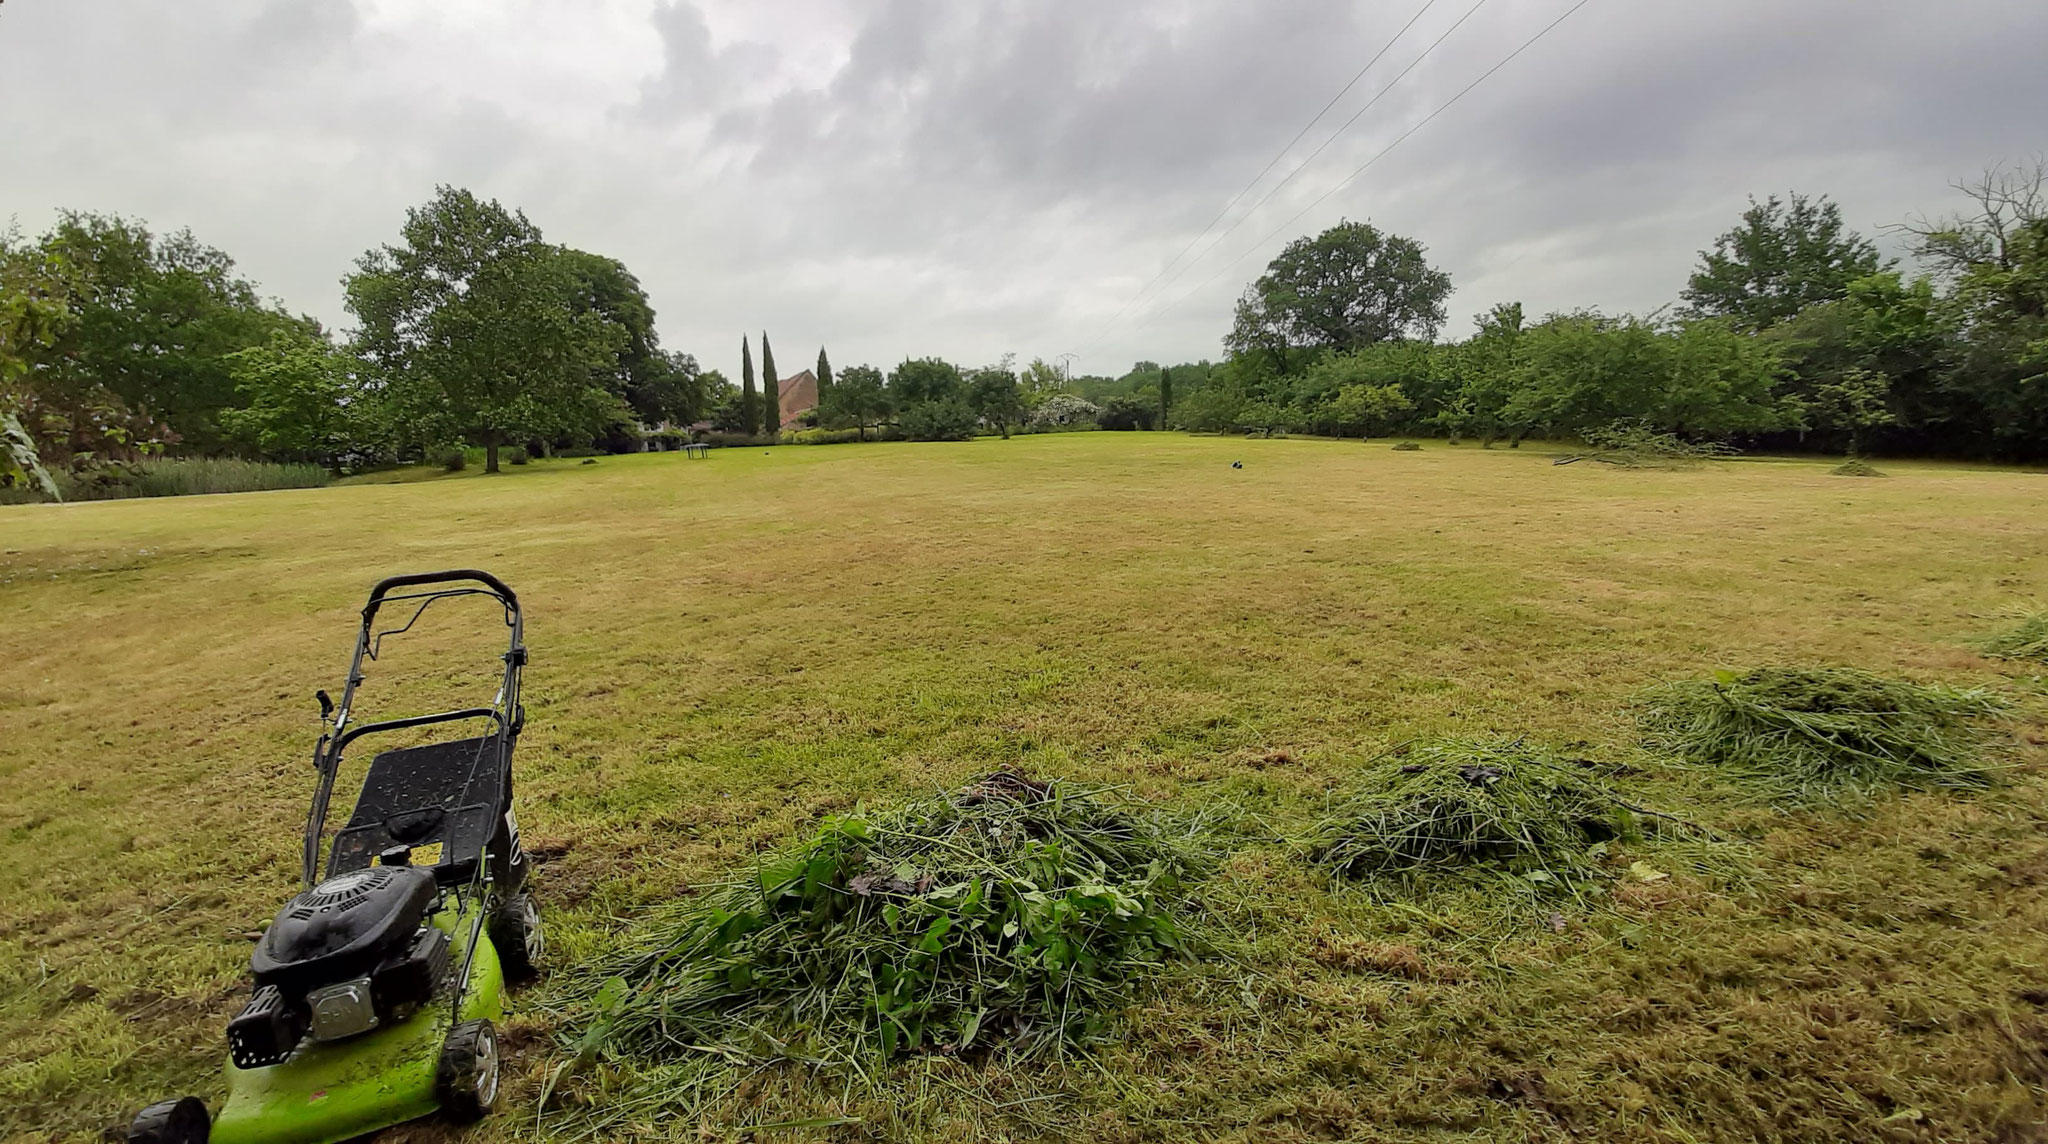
x=725 y=651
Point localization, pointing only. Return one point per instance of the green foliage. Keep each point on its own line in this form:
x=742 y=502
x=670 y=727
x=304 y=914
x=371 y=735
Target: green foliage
x=1126 y=413
x=948 y=419
x=454 y=458
x=1783 y=257
x=1349 y=287
x=1635 y=445
x=1062 y=411
x=924 y=379
x=750 y=401
x=1856 y=467
x=1349 y=395
x=825 y=436
x=995 y=398
x=475 y=328
x=1816 y=734
x=157 y=318
x=1501 y=811
x=1406 y=446
x=824 y=374
x=771 y=390
x=517 y=455
x=857 y=399
x=2026 y=639
x=35 y=309
x=301 y=401
x=185 y=476
x=1012 y=912
x=656 y=384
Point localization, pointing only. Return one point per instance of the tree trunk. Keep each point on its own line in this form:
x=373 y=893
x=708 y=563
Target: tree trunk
x=491 y=451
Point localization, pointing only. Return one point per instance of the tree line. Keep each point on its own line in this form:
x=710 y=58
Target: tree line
x=1791 y=333
x=472 y=329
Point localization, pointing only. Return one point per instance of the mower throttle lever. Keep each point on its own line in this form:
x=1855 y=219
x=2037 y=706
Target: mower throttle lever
x=326 y=704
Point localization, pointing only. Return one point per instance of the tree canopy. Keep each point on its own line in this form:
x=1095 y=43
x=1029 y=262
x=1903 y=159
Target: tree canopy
x=1785 y=255
x=479 y=329
x=1347 y=288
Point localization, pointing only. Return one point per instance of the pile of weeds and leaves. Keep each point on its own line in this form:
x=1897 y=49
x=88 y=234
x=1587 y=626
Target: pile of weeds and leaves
x=1635 y=445
x=1857 y=467
x=1819 y=734
x=1012 y=912
x=1501 y=812
x=2026 y=639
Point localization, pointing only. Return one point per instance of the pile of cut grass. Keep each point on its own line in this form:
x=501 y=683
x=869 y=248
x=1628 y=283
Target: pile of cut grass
x=1010 y=912
x=1817 y=734
x=1487 y=809
x=1635 y=445
x=1406 y=446
x=1857 y=467
x=2026 y=639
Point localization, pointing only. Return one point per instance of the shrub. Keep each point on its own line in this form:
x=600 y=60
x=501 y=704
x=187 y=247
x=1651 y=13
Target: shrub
x=1062 y=411
x=1406 y=446
x=823 y=436
x=1807 y=734
x=1011 y=911
x=1127 y=413
x=194 y=476
x=1634 y=445
x=517 y=455
x=719 y=439
x=453 y=458
x=946 y=420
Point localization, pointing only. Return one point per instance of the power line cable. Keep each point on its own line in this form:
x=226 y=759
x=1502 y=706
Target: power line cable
x=1320 y=148
x=1279 y=155
x=1346 y=180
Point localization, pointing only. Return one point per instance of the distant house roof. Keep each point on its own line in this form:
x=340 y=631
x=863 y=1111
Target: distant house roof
x=797 y=395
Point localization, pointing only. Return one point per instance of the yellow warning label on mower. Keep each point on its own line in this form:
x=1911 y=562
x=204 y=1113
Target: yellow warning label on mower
x=428 y=855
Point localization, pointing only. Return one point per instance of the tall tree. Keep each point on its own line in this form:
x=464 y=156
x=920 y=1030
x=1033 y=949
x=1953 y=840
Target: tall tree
x=157 y=317
x=1349 y=287
x=1165 y=395
x=771 y=390
x=824 y=375
x=1784 y=256
x=302 y=401
x=993 y=395
x=476 y=327
x=35 y=288
x=857 y=399
x=750 y=404
x=659 y=385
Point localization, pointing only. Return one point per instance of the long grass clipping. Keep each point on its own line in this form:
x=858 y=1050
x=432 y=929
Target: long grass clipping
x=1810 y=734
x=1011 y=911
x=1459 y=809
x=2025 y=639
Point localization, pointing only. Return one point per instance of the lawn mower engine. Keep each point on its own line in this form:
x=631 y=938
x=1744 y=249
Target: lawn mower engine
x=354 y=952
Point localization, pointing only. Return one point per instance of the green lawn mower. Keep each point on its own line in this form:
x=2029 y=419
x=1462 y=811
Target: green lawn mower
x=376 y=988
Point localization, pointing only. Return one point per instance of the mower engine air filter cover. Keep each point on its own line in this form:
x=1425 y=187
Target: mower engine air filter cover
x=341 y=928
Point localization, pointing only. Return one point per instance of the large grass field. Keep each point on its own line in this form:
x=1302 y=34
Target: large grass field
x=725 y=651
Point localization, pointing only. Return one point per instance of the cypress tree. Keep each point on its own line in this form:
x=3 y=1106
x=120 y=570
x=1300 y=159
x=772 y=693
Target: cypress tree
x=771 y=390
x=750 y=409
x=1165 y=395
x=824 y=374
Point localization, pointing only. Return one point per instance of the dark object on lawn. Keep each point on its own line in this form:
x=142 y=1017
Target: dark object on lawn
x=1237 y=464
x=1406 y=447
x=590 y=460
x=1011 y=910
x=375 y=989
x=1479 y=808
x=1812 y=734
x=1857 y=467
x=2027 y=639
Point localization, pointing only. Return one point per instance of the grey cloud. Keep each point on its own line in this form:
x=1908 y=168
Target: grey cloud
x=921 y=176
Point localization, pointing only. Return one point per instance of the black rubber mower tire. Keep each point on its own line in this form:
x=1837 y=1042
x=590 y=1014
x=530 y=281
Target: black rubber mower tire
x=516 y=933
x=467 y=1080
x=180 y=1121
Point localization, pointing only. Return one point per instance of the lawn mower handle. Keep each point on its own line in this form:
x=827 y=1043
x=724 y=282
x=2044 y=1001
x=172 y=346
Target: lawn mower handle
x=411 y=579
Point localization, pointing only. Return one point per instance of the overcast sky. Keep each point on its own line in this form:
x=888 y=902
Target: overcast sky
x=909 y=177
